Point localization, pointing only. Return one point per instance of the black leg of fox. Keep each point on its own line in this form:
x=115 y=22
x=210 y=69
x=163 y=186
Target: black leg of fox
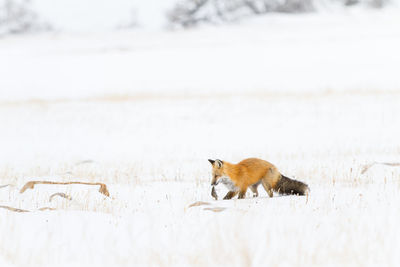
x=287 y=186
x=230 y=195
x=242 y=194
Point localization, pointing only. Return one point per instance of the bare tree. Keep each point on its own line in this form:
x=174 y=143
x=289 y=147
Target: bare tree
x=187 y=13
x=17 y=16
x=192 y=12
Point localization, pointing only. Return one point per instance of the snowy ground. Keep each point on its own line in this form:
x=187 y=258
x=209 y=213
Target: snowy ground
x=318 y=96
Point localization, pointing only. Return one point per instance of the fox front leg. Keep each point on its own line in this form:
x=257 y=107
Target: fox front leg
x=230 y=195
x=253 y=188
x=242 y=194
x=213 y=193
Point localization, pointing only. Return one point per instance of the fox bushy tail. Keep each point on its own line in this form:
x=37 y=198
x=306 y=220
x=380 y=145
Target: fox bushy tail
x=287 y=186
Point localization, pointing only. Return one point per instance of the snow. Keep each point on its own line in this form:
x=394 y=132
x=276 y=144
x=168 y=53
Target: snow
x=142 y=111
x=318 y=53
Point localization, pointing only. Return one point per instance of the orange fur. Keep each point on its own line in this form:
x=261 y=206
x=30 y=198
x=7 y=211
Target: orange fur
x=251 y=171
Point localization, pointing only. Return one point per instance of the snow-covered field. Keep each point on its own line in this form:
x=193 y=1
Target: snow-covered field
x=317 y=95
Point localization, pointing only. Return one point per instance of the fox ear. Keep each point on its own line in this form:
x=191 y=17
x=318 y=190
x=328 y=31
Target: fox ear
x=211 y=161
x=219 y=163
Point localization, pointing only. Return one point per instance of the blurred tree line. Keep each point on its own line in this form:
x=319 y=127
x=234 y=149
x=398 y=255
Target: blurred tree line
x=18 y=16
x=188 y=13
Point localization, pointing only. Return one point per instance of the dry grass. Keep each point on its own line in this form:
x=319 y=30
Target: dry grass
x=198 y=203
x=23 y=210
x=366 y=167
x=215 y=209
x=30 y=185
x=63 y=195
x=13 y=209
x=46 y=208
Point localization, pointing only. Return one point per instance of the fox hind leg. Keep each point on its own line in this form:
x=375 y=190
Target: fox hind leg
x=267 y=188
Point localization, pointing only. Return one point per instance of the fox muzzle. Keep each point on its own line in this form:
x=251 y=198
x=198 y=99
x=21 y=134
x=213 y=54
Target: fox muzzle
x=215 y=181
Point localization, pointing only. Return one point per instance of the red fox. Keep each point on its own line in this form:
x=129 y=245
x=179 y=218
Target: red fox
x=251 y=173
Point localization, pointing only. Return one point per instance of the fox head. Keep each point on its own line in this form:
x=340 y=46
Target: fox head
x=217 y=170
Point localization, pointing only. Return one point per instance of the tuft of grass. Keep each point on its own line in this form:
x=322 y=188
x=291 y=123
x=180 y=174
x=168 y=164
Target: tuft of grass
x=30 y=185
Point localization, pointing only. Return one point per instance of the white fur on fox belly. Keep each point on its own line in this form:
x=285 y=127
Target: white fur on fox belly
x=228 y=183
